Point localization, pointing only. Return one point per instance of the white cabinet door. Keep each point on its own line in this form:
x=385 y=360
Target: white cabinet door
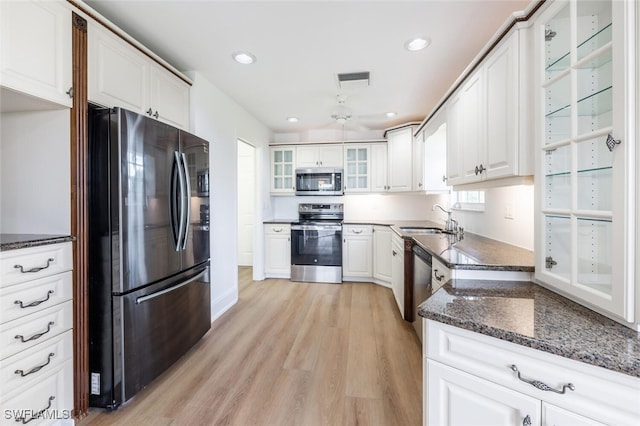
x=319 y=156
x=381 y=250
x=357 y=251
x=435 y=156
x=397 y=271
x=472 y=140
x=277 y=250
x=169 y=97
x=357 y=168
x=556 y=416
x=379 y=167
x=399 y=147
x=417 y=156
x=35 y=49
x=458 y=398
x=283 y=170
x=502 y=100
x=455 y=128
x=118 y=74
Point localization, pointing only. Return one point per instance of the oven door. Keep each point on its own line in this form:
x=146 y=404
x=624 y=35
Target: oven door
x=316 y=252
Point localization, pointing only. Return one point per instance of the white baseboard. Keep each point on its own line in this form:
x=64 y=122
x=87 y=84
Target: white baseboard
x=223 y=303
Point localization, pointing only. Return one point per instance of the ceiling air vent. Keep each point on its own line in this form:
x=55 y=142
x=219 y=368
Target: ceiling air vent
x=353 y=80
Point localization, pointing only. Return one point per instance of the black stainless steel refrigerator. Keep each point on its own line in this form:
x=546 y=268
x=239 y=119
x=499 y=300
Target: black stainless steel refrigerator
x=149 y=292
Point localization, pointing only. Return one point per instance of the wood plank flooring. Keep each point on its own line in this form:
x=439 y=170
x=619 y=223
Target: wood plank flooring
x=291 y=354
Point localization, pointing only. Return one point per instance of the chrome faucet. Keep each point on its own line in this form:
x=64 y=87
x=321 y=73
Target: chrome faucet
x=451 y=225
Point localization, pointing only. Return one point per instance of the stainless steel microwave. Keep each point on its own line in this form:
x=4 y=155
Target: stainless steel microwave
x=319 y=181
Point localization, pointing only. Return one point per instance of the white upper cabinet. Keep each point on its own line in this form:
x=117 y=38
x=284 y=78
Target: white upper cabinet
x=379 y=172
x=357 y=168
x=399 y=146
x=418 y=166
x=122 y=76
x=319 y=156
x=283 y=160
x=433 y=163
x=35 y=49
x=586 y=89
x=487 y=131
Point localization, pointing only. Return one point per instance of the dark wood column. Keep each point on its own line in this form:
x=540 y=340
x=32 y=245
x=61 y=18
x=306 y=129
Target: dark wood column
x=79 y=217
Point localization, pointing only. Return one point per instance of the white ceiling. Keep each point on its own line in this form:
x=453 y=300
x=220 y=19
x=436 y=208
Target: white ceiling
x=301 y=45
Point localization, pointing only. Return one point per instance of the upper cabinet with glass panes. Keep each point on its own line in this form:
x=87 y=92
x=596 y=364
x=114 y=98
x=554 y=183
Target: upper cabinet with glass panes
x=585 y=153
x=283 y=170
x=357 y=168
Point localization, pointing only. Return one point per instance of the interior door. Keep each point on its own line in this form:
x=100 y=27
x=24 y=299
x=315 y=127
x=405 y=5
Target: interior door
x=147 y=155
x=195 y=152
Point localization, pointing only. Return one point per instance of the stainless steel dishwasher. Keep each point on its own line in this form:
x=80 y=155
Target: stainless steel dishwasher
x=421 y=284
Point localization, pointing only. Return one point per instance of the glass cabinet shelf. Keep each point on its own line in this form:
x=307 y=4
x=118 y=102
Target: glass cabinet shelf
x=595 y=42
x=560 y=64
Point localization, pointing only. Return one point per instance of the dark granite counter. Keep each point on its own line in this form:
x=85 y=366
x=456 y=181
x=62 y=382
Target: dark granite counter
x=280 y=221
x=530 y=315
x=476 y=252
x=19 y=241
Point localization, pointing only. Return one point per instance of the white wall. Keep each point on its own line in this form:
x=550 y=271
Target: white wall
x=35 y=183
x=492 y=224
x=220 y=120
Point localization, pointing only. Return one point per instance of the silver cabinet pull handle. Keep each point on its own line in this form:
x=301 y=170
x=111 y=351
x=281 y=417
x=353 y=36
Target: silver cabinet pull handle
x=542 y=386
x=526 y=421
x=36 y=269
x=611 y=142
x=37 y=415
x=149 y=112
x=277 y=230
x=438 y=277
x=156 y=115
x=357 y=231
x=37 y=368
x=35 y=302
x=35 y=336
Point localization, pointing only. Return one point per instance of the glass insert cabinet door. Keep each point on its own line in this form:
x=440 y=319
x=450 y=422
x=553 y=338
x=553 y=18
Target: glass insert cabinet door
x=357 y=165
x=584 y=157
x=282 y=170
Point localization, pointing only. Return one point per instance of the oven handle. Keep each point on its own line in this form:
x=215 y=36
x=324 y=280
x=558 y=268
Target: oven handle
x=316 y=227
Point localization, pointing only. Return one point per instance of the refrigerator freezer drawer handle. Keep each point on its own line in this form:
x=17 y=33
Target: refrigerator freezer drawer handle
x=187 y=198
x=168 y=290
x=181 y=198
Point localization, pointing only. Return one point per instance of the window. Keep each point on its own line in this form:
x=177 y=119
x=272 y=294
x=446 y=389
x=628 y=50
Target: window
x=468 y=200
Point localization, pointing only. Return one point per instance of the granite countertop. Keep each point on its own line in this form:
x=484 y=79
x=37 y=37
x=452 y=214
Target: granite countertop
x=476 y=252
x=530 y=315
x=280 y=221
x=19 y=241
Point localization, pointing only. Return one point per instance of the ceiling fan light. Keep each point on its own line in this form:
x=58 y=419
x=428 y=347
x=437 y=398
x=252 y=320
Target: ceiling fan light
x=341 y=119
x=391 y=114
x=244 y=58
x=417 y=43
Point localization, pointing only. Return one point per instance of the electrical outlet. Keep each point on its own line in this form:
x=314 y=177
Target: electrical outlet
x=508 y=211
x=95 y=383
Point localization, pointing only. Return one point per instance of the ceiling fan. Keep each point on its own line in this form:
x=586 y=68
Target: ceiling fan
x=342 y=114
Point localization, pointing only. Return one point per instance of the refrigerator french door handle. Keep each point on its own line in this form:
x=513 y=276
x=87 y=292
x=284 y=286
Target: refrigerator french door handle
x=181 y=197
x=142 y=299
x=187 y=200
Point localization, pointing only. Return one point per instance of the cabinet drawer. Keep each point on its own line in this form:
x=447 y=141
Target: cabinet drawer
x=36 y=262
x=357 y=230
x=33 y=364
x=34 y=328
x=50 y=400
x=278 y=229
x=33 y=296
x=599 y=394
x=440 y=274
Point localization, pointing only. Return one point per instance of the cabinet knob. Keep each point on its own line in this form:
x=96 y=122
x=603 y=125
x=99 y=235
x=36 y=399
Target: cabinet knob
x=611 y=142
x=156 y=115
x=70 y=92
x=419 y=184
x=438 y=277
x=444 y=178
x=149 y=112
x=526 y=421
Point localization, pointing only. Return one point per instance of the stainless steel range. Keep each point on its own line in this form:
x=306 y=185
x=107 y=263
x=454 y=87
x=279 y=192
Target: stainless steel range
x=316 y=243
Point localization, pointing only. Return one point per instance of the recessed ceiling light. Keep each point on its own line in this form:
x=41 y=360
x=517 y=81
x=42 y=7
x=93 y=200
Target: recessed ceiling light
x=390 y=114
x=417 y=43
x=292 y=119
x=244 y=58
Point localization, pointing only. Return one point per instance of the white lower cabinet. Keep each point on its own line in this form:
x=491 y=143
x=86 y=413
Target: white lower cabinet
x=36 y=337
x=277 y=250
x=471 y=379
x=357 y=252
x=381 y=250
x=397 y=271
x=458 y=398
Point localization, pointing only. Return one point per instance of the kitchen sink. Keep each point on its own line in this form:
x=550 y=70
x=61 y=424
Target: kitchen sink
x=413 y=230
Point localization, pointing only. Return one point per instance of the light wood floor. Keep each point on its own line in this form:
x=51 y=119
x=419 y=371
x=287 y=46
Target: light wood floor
x=291 y=354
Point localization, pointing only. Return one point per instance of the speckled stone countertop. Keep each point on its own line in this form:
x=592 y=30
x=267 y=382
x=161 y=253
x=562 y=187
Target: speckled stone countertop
x=19 y=241
x=280 y=221
x=530 y=315
x=476 y=252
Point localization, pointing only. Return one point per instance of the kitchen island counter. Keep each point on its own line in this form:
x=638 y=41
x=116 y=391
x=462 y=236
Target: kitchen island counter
x=530 y=315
